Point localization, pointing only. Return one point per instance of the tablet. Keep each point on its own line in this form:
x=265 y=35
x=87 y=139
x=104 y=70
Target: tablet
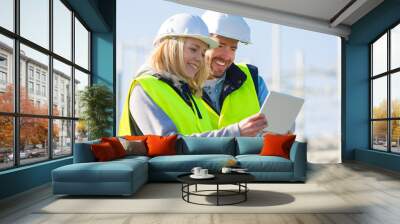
x=281 y=111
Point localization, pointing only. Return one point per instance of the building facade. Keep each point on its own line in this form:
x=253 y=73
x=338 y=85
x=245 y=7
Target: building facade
x=34 y=82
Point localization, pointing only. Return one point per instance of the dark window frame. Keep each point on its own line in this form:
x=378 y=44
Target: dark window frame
x=388 y=74
x=16 y=114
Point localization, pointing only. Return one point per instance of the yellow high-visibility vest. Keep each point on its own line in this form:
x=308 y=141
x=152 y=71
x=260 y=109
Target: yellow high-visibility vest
x=240 y=104
x=184 y=117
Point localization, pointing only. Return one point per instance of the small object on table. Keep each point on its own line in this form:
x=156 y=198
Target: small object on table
x=206 y=176
x=226 y=170
x=231 y=163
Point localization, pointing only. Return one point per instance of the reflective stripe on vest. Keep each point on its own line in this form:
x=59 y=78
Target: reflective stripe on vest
x=240 y=104
x=185 y=119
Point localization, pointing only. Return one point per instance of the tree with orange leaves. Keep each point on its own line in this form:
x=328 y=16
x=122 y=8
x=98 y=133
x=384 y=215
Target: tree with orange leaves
x=6 y=122
x=33 y=130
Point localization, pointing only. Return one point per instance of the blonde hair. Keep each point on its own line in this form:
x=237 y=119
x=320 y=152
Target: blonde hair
x=168 y=57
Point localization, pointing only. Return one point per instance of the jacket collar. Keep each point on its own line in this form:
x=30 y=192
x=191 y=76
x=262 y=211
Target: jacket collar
x=182 y=89
x=234 y=79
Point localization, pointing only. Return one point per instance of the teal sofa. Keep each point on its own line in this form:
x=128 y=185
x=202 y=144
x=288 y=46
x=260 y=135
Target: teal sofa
x=125 y=176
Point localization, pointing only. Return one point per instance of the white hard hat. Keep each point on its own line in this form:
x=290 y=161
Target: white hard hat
x=185 y=25
x=227 y=25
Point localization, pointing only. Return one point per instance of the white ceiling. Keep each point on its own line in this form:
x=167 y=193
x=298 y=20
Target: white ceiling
x=321 y=9
x=326 y=16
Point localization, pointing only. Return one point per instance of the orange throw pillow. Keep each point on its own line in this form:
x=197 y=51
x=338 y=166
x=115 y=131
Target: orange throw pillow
x=116 y=145
x=103 y=152
x=277 y=145
x=161 y=145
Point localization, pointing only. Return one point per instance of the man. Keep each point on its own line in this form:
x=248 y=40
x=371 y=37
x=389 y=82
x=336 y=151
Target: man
x=232 y=91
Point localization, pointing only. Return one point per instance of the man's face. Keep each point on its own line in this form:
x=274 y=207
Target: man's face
x=220 y=58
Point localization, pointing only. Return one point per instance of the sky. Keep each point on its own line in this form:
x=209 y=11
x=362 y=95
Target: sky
x=35 y=27
x=258 y=53
x=379 y=65
x=6 y=13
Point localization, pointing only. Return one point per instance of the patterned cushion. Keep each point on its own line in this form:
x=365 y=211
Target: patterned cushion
x=134 y=147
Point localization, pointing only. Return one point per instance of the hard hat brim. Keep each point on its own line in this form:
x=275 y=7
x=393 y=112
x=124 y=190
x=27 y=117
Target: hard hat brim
x=245 y=42
x=207 y=40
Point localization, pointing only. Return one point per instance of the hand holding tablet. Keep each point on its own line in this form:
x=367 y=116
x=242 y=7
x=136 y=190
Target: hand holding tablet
x=253 y=125
x=281 y=111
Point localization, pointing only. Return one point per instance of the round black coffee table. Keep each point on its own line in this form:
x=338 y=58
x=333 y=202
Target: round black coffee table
x=238 y=179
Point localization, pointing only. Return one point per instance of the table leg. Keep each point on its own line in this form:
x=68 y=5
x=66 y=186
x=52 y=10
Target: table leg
x=182 y=190
x=217 y=194
x=245 y=191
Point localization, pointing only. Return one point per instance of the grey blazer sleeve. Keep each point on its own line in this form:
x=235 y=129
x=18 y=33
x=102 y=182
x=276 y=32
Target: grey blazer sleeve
x=151 y=119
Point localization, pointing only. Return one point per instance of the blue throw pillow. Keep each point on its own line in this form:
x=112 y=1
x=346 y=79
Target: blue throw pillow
x=249 y=145
x=206 y=145
x=83 y=153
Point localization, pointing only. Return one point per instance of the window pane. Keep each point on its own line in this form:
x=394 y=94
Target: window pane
x=7 y=14
x=33 y=139
x=34 y=72
x=6 y=142
x=62 y=29
x=35 y=21
x=81 y=45
x=379 y=55
x=62 y=89
x=81 y=131
x=379 y=135
x=62 y=141
x=81 y=81
x=6 y=74
x=395 y=47
x=395 y=94
x=379 y=99
x=395 y=138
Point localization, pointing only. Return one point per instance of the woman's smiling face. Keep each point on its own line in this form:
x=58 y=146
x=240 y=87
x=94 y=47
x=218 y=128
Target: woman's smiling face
x=193 y=56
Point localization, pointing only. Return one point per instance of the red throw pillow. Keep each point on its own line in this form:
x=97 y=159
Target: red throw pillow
x=103 y=151
x=116 y=145
x=161 y=145
x=277 y=145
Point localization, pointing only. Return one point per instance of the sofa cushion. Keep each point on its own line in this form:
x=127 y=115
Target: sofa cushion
x=118 y=177
x=185 y=163
x=248 y=145
x=203 y=145
x=97 y=172
x=83 y=153
x=257 y=163
x=129 y=159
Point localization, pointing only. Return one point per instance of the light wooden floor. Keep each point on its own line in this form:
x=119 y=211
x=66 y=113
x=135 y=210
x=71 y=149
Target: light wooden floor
x=377 y=188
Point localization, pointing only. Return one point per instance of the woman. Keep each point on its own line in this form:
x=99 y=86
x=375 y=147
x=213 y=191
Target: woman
x=165 y=97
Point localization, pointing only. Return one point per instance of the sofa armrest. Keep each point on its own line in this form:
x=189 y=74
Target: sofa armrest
x=83 y=152
x=298 y=155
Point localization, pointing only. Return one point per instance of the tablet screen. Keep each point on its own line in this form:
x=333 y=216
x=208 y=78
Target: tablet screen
x=281 y=111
